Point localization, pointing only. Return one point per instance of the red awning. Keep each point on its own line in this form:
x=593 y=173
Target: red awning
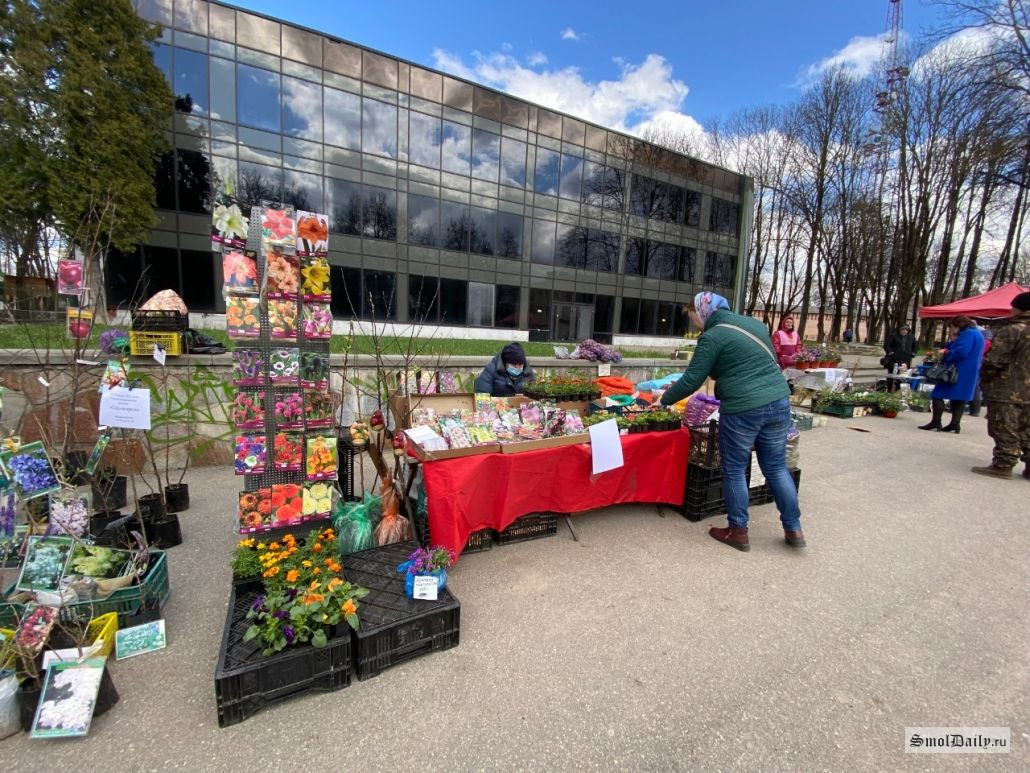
x=991 y=305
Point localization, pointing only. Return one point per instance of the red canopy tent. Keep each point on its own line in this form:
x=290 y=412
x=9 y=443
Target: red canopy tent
x=991 y=305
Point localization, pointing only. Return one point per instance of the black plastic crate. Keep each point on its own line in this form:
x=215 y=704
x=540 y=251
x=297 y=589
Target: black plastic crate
x=395 y=629
x=159 y=321
x=762 y=495
x=529 y=527
x=247 y=681
x=704 y=445
x=479 y=541
x=702 y=496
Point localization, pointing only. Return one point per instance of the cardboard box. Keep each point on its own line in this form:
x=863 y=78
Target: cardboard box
x=454 y=453
x=401 y=405
x=548 y=442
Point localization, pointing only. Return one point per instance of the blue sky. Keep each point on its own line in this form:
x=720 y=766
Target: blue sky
x=622 y=64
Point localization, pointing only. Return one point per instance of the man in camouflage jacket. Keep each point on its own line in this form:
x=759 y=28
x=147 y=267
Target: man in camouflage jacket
x=1006 y=385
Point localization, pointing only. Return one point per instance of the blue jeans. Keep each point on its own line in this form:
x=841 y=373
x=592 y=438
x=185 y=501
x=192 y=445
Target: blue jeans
x=764 y=429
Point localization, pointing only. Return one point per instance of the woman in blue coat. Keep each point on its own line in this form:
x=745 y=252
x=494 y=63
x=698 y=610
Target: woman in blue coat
x=964 y=351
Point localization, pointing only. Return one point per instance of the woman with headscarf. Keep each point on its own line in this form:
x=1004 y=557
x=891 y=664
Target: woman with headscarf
x=786 y=342
x=964 y=351
x=754 y=413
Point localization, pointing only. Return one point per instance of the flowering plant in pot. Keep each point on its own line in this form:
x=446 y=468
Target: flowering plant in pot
x=433 y=561
x=890 y=404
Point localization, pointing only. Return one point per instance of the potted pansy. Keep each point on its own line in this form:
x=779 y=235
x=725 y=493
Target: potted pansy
x=426 y=562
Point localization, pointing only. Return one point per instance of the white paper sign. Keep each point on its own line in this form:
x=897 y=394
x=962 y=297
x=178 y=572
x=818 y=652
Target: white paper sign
x=159 y=354
x=88 y=362
x=605 y=446
x=425 y=587
x=125 y=408
x=426 y=438
x=604 y=369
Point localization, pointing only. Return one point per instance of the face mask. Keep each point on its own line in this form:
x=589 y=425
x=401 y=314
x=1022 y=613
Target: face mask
x=513 y=371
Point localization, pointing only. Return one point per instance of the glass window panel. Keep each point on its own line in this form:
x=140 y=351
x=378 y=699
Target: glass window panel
x=164 y=180
x=378 y=128
x=509 y=235
x=423 y=220
x=674 y=204
x=602 y=250
x=453 y=299
x=161 y=270
x=346 y=288
x=593 y=183
x=636 y=257
x=680 y=321
x=378 y=296
x=539 y=309
x=723 y=217
x=481 y=305
x=163 y=60
x=258 y=182
x=630 y=316
x=666 y=322
x=257 y=96
x=454 y=226
x=483 y=231
x=688 y=260
x=724 y=270
x=614 y=189
x=506 y=306
x=545 y=178
x=513 y=162
x=199 y=288
x=223 y=170
x=191 y=82
x=194 y=181
x=648 y=317
x=303 y=191
x=486 y=154
x=423 y=299
x=223 y=90
x=342 y=119
x=424 y=140
x=571 y=184
x=570 y=246
x=659 y=206
x=302 y=109
x=711 y=258
x=379 y=213
x=121 y=275
x=648 y=197
x=345 y=206
x=542 y=250
x=692 y=208
x=457 y=148
x=604 y=308
x=666 y=261
x=655 y=261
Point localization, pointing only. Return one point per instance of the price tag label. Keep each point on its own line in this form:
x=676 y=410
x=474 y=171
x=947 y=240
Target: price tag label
x=604 y=369
x=425 y=587
x=43 y=381
x=159 y=354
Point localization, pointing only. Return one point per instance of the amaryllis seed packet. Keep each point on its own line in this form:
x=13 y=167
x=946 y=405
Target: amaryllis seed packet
x=282 y=275
x=278 y=228
x=248 y=410
x=282 y=319
x=230 y=221
x=242 y=316
x=312 y=233
x=239 y=271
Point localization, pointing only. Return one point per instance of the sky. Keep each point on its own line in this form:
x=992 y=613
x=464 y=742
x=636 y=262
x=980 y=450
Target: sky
x=622 y=64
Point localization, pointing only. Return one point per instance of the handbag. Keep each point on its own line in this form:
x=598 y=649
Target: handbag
x=941 y=374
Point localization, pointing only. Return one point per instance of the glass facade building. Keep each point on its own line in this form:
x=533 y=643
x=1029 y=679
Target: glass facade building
x=449 y=203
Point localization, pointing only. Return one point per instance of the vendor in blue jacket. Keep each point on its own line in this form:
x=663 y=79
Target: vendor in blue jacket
x=506 y=374
x=754 y=413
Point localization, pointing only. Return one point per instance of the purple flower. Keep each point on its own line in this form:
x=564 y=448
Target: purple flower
x=292 y=593
x=258 y=604
x=280 y=614
x=288 y=632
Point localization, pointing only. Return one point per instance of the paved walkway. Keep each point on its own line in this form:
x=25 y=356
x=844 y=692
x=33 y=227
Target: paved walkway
x=646 y=645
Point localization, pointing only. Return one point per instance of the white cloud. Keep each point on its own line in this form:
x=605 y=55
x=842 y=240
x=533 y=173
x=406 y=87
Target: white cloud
x=506 y=47
x=569 y=34
x=860 y=57
x=536 y=58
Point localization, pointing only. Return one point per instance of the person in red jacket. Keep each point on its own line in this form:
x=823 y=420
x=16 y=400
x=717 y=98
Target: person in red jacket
x=786 y=342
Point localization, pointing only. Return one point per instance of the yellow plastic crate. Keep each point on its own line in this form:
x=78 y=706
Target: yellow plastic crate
x=142 y=343
x=103 y=627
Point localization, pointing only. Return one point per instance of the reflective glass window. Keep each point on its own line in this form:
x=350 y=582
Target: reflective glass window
x=630 y=316
x=483 y=231
x=457 y=148
x=163 y=59
x=666 y=322
x=423 y=299
x=378 y=213
x=647 y=197
x=570 y=246
x=509 y=235
x=302 y=190
x=692 y=208
x=302 y=109
x=378 y=128
x=454 y=226
x=345 y=204
x=377 y=299
x=640 y=255
x=346 y=287
x=423 y=220
x=481 y=304
x=614 y=189
x=342 y=119
x=160 y=270
x=223 y=90
x=674 y=204
x=664 y=260
x=191 y=82
x=453 y=300
x=593 y=183
x=121 y=277
x=513 y=162
x=688 y=259
x=164 y=180
x=194 y=181
x=258 y=182
x=198 y=270
x=723 y=217
x=424 y=140
x=542 y=250
x=604 y=309
x=506 y=306
x=719 y=269
x=539 y=309
x=545 y=178
x=648 y=317
x=571 y=184
x=486 y=154
x=659 y=207
x=257 y=97
x=602 y=250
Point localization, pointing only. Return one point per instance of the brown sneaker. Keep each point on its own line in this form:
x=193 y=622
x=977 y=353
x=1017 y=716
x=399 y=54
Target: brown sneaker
x=735 y=538
x=994 y=472
x=796 y=539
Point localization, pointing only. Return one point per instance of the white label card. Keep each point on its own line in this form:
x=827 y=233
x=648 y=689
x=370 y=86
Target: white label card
x=604 y=369
x=605 y=446
x=425 y=587
x=125 y=408
x=43 y=381
x=159 y=354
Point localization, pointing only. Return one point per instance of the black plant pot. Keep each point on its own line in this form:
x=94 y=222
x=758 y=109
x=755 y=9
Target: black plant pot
x=104 y=536
x=28 y=700
x=107 y=696
x=148 y=615
x=110 y=493
x=177 y=497
x=75 y=467
x=165 y=533
x=151 y=508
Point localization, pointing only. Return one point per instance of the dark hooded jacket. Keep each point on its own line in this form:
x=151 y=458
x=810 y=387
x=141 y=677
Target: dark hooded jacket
x=496 y=381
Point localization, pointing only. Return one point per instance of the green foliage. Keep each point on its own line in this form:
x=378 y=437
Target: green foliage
x=890 y=401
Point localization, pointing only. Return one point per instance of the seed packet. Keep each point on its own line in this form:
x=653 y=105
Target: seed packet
x=282 y=319
x=456 y=433
x=573 y=423
x=30 y=470
x=318 y=500
x=255 y=510
x=278 y=227
x=242 y=317
x=320 y=461
x=288 y=450
x=532 y=415
x=481 y=434
x=282 y=275
x=287 y=504
x=69 y=277
x=284 y=367
x=230 y=221
x=239 y=271
x=248 y=367
x=317 y=321
x=288 y=410
x=34 y=628
x=251 y=453
x=318 y=410
x=314 y=284
x=115 y=374
x=314 y=370
x=69 y=514
x=78 y=323
x=484 y=402
x=312 y=233
x=447 y=383
x=248 y=410
x=45 y=562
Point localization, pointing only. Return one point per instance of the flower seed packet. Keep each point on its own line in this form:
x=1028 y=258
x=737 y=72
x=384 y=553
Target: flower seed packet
x=314 y=284
x=78 y=323
x=288 y=410
x=284 y=367
x=287 y=504
x=278 y=228
x=318 y=501
x=115 y=375
x=312 y=233
x=34 y=628
x=230 y=221
x=255 y=510
x=251 y=453
x=288 y=451
x=314 y=370
x=30 y=470
x=282 y=319
x=248 y=367
x=239 y=270
x=318 y=409
x=139 y=639
x=242 y=317
x=248 y=410
x=321 y=458
x=282 y=275
x=317 y=321
x=70 y=277
x=68 y=699
x=45 y=562
x=69 y=514
x=96 y=453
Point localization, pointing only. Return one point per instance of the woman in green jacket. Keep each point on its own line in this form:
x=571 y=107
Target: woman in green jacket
x=754 y=412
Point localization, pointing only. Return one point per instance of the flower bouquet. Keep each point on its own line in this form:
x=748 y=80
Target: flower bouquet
x=251 y=452
x=312 y=233
x=315 y=280
x=288 y=450
x=288 y=410
x=287 y=504
x=284 y=366
x=317 y=321
x=30 y=470
x=282 y=275
x=318 y=501
x=239 y=271
x=255 y=509
x=69 y=277
x=248 y=367
x=69 y=514
x=230 y=221
x=282 y=319
x=45 y=561
x=278 y=228
x=426 y=562
x=318 y=410
x=242 y=318
x=321 y=459
x=314 y=370
x=248 y=410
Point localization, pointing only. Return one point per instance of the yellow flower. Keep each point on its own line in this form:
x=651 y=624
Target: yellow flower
x=306 y=563
x=317 y=274
x=261 y=546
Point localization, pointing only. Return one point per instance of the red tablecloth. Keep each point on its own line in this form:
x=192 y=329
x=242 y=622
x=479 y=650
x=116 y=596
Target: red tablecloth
x=492 y=490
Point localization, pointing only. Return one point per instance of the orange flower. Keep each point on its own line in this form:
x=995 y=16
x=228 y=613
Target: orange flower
x=334 y=583
x=292 y=575
x=313 y=229
x=274 y=546
x=272 y=572
x=317 y=547
x=313 y=598
x=316 y=570
x=349 y=607
x=313 y=585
